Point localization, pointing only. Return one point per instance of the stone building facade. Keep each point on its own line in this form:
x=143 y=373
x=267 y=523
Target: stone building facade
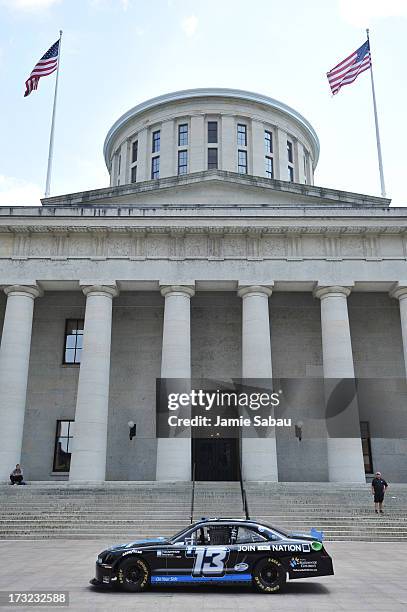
x=223 y=264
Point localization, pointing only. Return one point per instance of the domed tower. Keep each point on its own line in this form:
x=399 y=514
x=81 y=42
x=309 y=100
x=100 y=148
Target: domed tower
x=203 y=130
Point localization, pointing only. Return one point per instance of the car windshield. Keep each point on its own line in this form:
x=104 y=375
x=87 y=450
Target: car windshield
x=180 y=533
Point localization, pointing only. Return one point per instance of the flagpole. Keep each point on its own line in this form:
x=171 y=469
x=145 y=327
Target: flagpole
x=379 y=148
x=51 y=137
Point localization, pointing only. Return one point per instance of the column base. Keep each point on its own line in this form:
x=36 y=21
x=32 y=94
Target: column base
x=259 y=459
x=345 y=460
x=173 y=459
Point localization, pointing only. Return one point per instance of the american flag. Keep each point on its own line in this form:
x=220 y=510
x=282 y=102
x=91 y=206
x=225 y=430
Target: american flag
x=350 y=68
x=47 y=64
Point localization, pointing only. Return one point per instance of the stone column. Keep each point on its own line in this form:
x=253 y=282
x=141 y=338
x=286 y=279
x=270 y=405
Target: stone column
x=345 y=458
x=259 y=455
x=174 y=454
x=14 y=362
x=280 y=156
x=399 y=292
x=88 y=461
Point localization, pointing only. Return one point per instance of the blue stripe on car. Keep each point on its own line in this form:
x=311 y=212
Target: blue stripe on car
x=227 y=578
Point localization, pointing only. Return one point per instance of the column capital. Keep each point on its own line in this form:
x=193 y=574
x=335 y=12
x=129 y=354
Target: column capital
x=399 y=290
x=105 y=290
x=263 y=290
x=323 y=291
x=187 y=290
x=31 y=291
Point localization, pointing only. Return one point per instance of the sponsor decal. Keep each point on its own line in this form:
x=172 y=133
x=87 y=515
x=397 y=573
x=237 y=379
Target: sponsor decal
x=263 y=547
x=316 y=546
x=176 y=554
x=106 y=579
x=132 y=551
x=290 y=547
x=241 y=567
x=297 y=564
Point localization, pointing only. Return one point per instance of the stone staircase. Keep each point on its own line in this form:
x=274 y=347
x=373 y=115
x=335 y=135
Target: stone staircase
x=121 y=511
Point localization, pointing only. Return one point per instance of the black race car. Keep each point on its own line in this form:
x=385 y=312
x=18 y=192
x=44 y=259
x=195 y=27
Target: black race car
x=231 y=551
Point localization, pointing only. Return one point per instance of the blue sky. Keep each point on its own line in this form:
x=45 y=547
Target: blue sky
x=117 y=53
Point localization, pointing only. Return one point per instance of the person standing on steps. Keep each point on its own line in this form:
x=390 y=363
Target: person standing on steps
x=379 y=486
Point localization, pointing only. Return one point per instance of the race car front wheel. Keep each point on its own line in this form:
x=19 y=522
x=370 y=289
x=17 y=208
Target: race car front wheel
x=269 y=575
x=133 y=575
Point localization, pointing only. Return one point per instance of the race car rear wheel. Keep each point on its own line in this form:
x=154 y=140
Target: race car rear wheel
x=133 y=575
x=269 y=575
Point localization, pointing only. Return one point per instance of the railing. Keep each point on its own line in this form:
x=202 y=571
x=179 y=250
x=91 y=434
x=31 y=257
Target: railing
x=243 y=492
x=193 y=492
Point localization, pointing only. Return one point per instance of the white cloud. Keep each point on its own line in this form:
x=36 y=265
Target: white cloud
x=189 y=25
x=18 y=192
x=29 y=5
x=361 y=13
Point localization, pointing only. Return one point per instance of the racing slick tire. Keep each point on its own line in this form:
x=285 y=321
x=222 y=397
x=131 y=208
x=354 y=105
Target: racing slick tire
x=133 y=575
x=269 y=576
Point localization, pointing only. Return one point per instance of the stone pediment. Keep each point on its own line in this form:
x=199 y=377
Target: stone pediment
x=217 y=188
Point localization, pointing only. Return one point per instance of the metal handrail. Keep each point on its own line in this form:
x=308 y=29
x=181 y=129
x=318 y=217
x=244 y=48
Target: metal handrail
x=243 y=493
x=193 y=492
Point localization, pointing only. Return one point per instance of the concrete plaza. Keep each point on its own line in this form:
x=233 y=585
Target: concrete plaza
x=369 y=576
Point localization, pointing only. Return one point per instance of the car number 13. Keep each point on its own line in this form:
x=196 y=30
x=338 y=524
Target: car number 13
x=208 y=560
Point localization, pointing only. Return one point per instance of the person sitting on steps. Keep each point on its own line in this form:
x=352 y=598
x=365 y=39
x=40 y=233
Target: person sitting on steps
x=16 y=476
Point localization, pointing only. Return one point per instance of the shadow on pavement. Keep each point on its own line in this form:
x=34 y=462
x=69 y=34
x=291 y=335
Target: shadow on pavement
x=292 y=588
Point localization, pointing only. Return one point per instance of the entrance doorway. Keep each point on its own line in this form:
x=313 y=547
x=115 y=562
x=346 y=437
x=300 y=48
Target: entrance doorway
x=216 y=458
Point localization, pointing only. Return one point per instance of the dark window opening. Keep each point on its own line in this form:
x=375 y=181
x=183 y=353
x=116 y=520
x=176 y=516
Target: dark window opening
x=134 y=174
x=212 y=131
x=134 y=151
x=241 y=135
x=291 y=173
x=182 y=162
x=268 y=142
x=269 y=167
x=242 y=162
x=156 y=141
x=212 y=159
x=73 y=341
x=366 y=447
x=290 y=151
x=63 y=446
x=155 y=167
x=183 y=135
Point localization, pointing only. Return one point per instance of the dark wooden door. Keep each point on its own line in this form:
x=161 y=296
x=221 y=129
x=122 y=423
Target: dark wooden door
x=216 y=458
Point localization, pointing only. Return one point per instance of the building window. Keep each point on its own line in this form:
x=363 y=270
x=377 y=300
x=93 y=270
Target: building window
x=73 y=341
x=241 y=135
x=182 y=162
x=212 y=131
x=212 y=159
x=268 y=142
x=134 y=151
x=290 y=152
x=290 y=157
x=269 y=167
x=183 y=135
x=242 y=162
x=63 y=446
x=155 y=167
x=134 y=174
x=156 y=142
x=366 y=447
